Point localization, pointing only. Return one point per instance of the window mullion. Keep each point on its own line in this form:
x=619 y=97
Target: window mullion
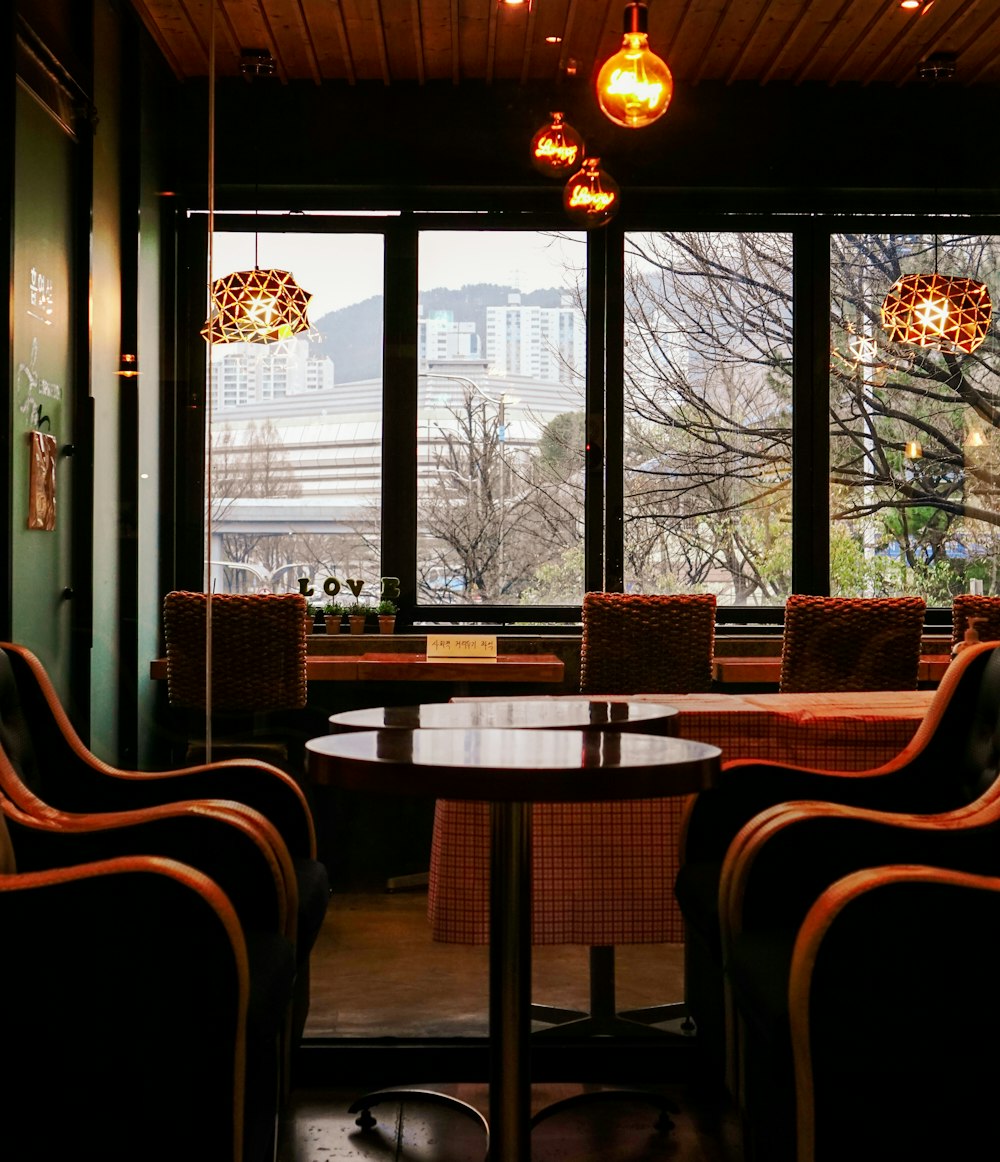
x=810 y=411
x=597 y=266
x=399 y=411
x=614 y=413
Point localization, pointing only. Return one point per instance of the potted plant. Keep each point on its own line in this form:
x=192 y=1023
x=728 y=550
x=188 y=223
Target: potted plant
x=312 y=612
x=333 y=614
x=356 y=615
x=386 y=611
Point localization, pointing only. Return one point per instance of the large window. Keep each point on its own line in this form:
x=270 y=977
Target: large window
x=719 y=354
x=707 y=435
x=914 y=441
x=501 y=348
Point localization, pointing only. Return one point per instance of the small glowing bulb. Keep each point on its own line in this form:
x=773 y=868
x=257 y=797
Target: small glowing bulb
x=634 y=86
x=591 y=196
x=556 y=149
x=863 y=348
x=913 y=450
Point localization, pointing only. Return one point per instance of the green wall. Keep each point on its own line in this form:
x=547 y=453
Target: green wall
x=43 y=381
x=106 y=313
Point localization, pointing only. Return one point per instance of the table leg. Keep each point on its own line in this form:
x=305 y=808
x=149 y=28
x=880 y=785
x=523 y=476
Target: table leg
x=510 y=982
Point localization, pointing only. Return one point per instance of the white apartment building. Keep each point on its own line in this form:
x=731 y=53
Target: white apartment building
x=246 y=373
x=440 y=337
x=548 y=343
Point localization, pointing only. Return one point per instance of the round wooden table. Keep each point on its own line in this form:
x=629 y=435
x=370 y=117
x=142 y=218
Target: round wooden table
x=582 y=713
x=514 y=714
x=510 y=770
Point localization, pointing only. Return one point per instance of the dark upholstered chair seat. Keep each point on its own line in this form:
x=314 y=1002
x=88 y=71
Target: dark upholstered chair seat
x=863 y=1033
x=226 y=850
x=140 y=1019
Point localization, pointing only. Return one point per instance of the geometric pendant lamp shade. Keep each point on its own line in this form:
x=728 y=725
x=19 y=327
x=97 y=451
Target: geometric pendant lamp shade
x=935 y=310
x=256 y=306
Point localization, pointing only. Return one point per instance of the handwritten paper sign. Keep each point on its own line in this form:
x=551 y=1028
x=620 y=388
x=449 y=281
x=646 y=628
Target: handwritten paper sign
x=469 y=647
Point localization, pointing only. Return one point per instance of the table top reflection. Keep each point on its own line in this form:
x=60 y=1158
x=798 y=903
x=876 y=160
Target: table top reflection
x=496 y=765
x=513 y=714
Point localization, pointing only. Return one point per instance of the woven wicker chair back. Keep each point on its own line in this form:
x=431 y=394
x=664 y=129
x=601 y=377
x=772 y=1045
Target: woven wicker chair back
x=258 y=651
x=968 y=605
x=851 y=643
x=647 y=644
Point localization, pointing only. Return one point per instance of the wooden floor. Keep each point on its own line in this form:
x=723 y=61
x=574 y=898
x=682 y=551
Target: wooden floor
x=377 y=973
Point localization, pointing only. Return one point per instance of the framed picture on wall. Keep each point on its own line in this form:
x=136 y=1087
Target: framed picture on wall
x=42 y=481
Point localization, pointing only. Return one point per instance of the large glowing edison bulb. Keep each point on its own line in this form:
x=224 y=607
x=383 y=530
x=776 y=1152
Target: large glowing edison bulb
x=634 y=86
x=591 y=196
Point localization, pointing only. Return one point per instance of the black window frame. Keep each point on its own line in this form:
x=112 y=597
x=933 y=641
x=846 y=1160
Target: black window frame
x=810 y=233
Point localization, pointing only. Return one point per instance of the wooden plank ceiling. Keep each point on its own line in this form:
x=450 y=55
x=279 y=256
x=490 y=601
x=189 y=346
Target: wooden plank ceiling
x=419 y=41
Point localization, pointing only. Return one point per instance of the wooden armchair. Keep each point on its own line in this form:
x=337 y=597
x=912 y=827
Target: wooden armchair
x=851 y=643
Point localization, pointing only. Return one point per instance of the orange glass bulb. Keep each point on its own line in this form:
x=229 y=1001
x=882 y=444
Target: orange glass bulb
x=556 y=149
x=591 y=196
x=634 y=86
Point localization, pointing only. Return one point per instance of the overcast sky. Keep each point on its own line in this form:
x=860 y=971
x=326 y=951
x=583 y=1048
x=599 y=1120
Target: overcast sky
x=340 y=269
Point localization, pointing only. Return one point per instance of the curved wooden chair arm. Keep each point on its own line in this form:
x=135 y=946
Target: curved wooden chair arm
x=788 y=855
x=76 y=779
x=236 y=849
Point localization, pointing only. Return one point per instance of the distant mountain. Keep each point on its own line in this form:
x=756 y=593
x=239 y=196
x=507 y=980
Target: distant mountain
x=352 y=336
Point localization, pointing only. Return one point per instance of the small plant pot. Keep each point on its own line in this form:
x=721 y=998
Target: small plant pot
x=332 y=622
x=387 y=623
x=357 y=624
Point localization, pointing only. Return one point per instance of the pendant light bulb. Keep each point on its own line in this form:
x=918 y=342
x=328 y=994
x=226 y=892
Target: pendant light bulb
x=634 y=86
x=591 y=196
x=556 y=149
x=257 y=306
x=941 y=312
